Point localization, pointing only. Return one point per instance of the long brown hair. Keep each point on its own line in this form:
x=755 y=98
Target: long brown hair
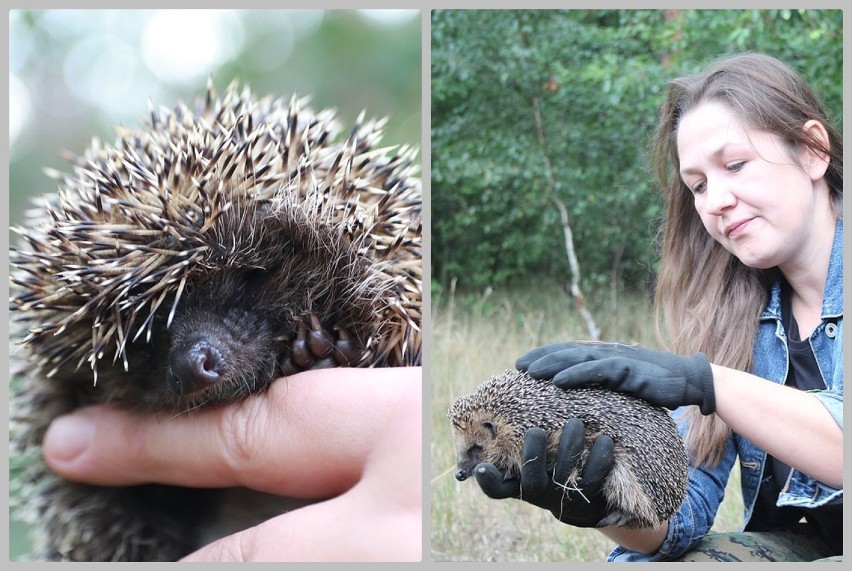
x=706 y=299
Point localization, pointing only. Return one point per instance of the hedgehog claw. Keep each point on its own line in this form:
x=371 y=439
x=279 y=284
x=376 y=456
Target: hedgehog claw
x=302 y=356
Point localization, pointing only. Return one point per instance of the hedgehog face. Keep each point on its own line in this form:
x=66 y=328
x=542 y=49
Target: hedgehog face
x=298 y=303
x=216 y=248
x=230 y=336
x=478 y=437
x=220 y=348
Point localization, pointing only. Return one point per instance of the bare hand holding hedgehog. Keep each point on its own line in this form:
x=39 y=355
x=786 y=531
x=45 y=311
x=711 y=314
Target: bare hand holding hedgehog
x=369 y=459
x=188 y=265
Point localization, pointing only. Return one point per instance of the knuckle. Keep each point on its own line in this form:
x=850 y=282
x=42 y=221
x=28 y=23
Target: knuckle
x=133 y=441
x=239 y=431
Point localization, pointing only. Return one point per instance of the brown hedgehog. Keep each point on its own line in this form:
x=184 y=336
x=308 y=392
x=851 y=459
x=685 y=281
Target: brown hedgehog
x=648 y=481
x=190 y=263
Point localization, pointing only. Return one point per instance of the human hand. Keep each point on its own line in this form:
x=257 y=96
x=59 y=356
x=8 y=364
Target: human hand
x=663 y=379
x=352 y=435
x=583 y=507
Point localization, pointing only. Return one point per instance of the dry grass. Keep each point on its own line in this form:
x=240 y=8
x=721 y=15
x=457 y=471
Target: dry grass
x=472 y=339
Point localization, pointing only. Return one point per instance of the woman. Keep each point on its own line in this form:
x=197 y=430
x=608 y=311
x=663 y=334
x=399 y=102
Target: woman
x=750 y=280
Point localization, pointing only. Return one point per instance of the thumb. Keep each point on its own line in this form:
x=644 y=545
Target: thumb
x=493 y=483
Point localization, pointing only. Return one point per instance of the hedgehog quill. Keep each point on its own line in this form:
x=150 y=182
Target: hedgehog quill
x=198 y=258
x=648 y=479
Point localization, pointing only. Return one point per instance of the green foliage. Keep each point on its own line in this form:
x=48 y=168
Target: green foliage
x=598 y=76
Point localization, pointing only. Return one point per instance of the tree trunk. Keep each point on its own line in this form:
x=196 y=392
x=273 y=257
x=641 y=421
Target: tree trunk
x=573 y=264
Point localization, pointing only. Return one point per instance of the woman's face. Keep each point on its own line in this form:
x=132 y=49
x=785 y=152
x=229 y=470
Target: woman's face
x=755 y=195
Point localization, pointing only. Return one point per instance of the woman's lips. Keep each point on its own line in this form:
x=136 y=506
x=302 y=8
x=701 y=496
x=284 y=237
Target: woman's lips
x=736 y=229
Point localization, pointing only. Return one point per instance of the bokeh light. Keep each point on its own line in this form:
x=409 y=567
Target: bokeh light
x=183 y=46
x=77 y=74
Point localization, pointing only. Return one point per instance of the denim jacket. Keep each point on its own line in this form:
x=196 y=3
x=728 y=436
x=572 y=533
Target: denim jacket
x=707 y=485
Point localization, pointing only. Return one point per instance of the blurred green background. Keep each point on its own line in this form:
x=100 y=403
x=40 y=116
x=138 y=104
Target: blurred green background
x=76 y=74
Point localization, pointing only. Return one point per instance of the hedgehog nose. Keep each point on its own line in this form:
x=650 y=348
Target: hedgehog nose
x=461 y=475
x=194 y=367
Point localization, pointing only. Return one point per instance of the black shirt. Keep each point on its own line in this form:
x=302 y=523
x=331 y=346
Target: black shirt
x=802 y=373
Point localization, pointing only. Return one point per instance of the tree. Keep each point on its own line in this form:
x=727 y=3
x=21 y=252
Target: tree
x=597 y=77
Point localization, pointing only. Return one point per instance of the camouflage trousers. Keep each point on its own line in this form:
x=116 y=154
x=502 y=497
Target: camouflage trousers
x=761 y=546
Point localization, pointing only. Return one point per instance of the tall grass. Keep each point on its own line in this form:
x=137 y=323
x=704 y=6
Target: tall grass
x=473 y=338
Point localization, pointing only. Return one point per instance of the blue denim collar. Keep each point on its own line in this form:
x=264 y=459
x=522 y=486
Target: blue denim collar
x=832 y=304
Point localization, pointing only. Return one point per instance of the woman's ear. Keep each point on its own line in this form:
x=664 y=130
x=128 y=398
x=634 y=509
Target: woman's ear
x=815 y=162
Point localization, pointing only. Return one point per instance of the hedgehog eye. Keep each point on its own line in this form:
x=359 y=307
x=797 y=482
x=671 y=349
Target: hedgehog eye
x=489 y=426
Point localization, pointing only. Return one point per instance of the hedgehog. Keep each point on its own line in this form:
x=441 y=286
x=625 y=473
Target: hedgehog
x=648 y=480
x=219 y=246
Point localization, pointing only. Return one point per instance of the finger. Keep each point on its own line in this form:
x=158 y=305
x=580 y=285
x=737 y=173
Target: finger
x=599 y=464
x=581 y=373
x=525 y=360
x=281 y=441
x=615 y=373
x=493 y=482
x=549 y=365
x=562 y=356
x=571 y=444
x=319 y=533
x=534 y=479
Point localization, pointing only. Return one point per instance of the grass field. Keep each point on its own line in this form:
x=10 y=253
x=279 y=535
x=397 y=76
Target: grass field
x=474 y=337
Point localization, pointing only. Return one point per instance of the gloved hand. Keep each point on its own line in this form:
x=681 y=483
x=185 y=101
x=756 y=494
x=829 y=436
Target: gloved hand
x=583 y=508
x=662 y=379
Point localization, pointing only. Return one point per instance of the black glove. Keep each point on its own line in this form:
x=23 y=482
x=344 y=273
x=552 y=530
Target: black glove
x=584 y=507
x=662 y=379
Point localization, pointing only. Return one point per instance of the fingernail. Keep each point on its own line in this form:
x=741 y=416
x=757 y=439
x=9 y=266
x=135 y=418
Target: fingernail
x=68 y=437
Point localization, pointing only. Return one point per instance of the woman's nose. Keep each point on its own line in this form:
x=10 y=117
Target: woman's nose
x=719 y=198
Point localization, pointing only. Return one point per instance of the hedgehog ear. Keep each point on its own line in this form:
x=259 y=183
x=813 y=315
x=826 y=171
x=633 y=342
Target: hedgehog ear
x=488 y=425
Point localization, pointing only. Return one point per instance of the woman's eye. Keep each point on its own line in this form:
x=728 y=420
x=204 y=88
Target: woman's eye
x=737 y=166
x=698 y=187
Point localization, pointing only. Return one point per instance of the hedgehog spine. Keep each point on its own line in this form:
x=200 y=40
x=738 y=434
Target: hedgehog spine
x=648 y=480
x=189 y=264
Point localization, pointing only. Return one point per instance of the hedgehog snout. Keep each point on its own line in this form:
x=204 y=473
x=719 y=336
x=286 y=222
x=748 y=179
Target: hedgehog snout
x=195 y=366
